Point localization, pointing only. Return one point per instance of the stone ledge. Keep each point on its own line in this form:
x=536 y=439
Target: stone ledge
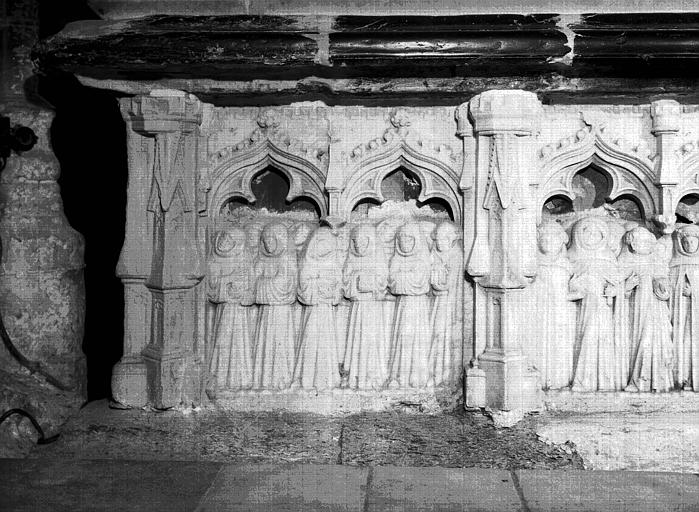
x=338 y=401
x=615 y=402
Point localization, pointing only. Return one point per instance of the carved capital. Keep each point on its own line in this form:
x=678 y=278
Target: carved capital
x=164 y=111
x=505 y=111
x=666 y=116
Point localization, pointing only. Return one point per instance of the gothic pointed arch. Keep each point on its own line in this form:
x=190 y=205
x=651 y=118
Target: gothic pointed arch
x=233 y=169
x=371 y=162
x=629 y=170
x=689 y=164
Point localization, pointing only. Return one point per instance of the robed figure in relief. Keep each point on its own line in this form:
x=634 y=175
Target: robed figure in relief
x=595 y=282
x=551 y=313
x=276 y=272
x=650 y=347
x=684 y=303
x=447 y=280
x=364 y=282
x=409 y=279
x=320 y=282
x=229 y=286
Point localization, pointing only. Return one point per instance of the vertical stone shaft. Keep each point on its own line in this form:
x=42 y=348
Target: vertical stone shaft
x=176 y=266
x=666 y=126
x=129 y=381
x=501 y=258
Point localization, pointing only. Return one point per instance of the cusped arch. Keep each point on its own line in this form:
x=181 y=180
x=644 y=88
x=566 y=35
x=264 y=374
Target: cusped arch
x=629 y=174
x=689 y=183
x=233 y=177
x=437 y=180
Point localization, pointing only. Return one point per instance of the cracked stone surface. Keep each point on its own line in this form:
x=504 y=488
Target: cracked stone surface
x=638 y=442
x=458 y=439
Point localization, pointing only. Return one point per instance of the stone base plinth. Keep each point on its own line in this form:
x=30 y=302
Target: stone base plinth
x=613 y=402
x=339 y=401
x=129 y=383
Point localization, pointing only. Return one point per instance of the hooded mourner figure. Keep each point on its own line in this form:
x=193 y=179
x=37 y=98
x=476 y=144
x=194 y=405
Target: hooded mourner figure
x=595 y=282
x=650 y=347
x=276 y=271
x=551 y=338
x=409 y=279
x=230 y=288
x=447 y=280
x=684 y=304
x=320 y=281
x=364 y=281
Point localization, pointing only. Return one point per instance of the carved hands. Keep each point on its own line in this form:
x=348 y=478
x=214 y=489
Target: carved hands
x=661 y=288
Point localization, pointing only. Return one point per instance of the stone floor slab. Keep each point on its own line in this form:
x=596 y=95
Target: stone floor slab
x=604 y=491
x=98 y=485
x=406 y=489
x=289 y=488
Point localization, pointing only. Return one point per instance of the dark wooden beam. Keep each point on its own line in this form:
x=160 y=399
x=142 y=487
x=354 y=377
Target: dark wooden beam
x=659 y=47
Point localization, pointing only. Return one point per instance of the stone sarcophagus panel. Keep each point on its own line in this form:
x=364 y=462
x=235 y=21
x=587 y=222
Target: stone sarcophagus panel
x=357 y=257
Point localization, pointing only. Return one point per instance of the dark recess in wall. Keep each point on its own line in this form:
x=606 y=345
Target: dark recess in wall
x=89 y=139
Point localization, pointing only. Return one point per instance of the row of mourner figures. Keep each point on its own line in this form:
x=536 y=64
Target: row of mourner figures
x=321 y=308
x=613 y=307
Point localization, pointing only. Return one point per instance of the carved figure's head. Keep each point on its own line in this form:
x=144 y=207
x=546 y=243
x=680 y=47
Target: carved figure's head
x=590 y=233
x=230 y=242
x=322 y=245
x=689 y=239
x=408 y=238
x=640 y=240
x=615 y=236
x=253 y=235
x=274 y=239
x=445 y=235
x=301 y=232
x=552 y=238
x=362 y=239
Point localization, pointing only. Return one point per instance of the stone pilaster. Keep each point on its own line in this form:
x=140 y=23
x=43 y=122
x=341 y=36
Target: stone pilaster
x=129 y=380
x=666 y=126
x=501 y=241
x=176 y=265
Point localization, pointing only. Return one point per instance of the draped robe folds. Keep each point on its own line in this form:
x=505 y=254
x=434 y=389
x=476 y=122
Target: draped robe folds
x=365 y=283
x=446 y=277
x=275 y=335
x=229 y=287
x=319 y=289
x=685 y=320
x=651 y=347
x=551 y=326
x=597 y=366
x=409 y=279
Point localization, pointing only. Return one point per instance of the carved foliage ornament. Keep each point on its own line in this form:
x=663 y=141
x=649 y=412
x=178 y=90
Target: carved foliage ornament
x=269 y=132
x=397 y=135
